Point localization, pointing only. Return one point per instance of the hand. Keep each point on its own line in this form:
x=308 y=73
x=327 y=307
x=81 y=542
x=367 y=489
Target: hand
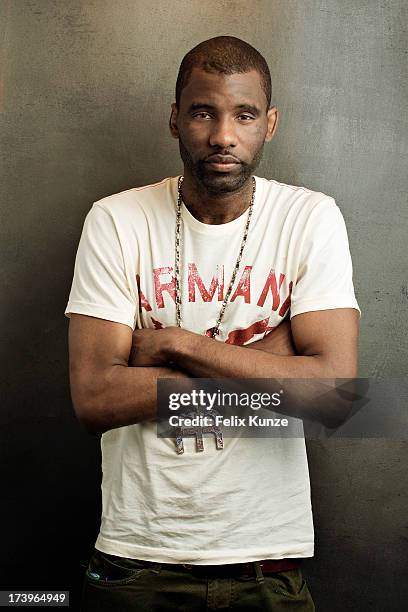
x=149 y=346
x=278 y=342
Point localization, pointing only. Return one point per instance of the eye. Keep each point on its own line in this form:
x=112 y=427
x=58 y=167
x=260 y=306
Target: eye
x=246 y=117
x=202 y=115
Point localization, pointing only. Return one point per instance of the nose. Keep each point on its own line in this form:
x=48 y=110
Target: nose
x=223 y=133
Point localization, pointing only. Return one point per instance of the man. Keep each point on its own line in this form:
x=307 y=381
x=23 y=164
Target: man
x=185 y=278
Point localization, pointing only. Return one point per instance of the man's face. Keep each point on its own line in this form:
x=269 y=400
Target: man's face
x=222 y=124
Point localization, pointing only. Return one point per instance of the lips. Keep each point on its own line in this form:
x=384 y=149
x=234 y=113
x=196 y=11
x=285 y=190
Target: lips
x=222 y=159
x=223 y=163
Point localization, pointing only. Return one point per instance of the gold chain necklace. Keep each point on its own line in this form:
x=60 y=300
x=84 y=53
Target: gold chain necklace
x=216 y=330
x=213 y=428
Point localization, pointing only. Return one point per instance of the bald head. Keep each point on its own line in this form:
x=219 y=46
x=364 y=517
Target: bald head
x=225 y=55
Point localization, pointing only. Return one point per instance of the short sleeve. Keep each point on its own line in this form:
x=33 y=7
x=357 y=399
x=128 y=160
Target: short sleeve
x=325 y=274
x=100 y=287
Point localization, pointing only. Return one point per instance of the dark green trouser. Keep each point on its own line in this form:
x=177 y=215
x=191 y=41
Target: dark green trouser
x=125 y=585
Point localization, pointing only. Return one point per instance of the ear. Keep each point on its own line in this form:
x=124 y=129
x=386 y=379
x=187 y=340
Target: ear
x=273 y=118
x=173 y=121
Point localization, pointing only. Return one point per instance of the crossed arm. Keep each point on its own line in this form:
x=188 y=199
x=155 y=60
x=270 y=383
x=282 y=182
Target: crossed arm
x=113 y=372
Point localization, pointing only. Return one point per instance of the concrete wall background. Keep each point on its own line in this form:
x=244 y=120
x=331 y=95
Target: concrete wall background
x=85 y=95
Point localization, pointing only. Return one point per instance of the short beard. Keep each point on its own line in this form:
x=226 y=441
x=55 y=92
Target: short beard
x=219 y=183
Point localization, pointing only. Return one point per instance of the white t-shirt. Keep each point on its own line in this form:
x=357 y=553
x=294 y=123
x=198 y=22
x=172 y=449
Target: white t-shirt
x=251 y=500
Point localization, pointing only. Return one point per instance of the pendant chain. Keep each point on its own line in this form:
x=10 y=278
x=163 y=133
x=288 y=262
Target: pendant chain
x=216 y=330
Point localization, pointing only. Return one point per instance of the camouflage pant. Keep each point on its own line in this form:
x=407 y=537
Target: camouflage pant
x=124 y=585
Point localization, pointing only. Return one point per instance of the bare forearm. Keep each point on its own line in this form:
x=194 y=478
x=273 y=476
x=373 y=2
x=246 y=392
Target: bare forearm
x=309 y=396
x=206 y=358
x=326 y=344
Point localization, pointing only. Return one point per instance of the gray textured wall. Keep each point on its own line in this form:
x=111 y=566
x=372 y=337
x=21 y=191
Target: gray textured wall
x=85 y=95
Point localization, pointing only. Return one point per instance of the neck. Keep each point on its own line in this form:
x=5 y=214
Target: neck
x=215 y=209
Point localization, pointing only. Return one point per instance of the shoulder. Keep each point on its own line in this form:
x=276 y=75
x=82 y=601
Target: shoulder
x=295 y=199
x=145 y=199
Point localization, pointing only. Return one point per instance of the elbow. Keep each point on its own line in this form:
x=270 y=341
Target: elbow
x=338 y=368
x=94 y=391
x=335 y=391
x=339 y=405
x=90 y=409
